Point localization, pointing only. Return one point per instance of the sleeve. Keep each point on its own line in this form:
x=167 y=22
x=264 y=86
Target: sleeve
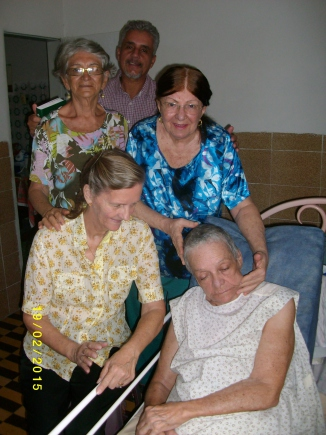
x=148 y=279
x=41 y=157
x=234 y=186
x=38 y=282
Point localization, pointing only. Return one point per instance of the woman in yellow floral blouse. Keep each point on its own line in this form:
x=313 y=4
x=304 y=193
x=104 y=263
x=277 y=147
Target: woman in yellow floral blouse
x=75 y=286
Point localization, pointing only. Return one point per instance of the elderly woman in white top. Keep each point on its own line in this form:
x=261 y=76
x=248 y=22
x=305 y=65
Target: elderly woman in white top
x=231 y=363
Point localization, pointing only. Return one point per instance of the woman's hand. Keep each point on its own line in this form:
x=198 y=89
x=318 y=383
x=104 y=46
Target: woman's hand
x=161 y=419
x=174 y=230
x=82 y=353
x=118 y=371
x=253 y=279
x=230 y=129
x=53 y=218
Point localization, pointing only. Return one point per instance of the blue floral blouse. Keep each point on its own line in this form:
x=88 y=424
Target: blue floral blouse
x=194 y=191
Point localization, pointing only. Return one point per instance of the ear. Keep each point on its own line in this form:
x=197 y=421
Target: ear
x=158 y=103
x=153 y=60
x=239 y=259
x=87 y=194
x=117 y=53
x=203 y=110
x=65 y=82
x=106 y=77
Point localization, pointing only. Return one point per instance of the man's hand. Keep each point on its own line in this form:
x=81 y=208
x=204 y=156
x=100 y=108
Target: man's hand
x=118 y=371
x=33 y=121
x=53 y=218
x=161 y=419
x=253 y=279
x=82 y=353
x=230 y=129
x=174 y=230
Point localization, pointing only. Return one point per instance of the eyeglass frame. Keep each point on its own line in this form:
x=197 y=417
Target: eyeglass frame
x=178 y=106
x=84 y=70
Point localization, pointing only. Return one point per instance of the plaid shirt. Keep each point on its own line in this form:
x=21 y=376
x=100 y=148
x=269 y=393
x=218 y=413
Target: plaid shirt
x=141 y=106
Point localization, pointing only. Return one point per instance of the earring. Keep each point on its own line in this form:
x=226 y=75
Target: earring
x=200 y=123
x=101 y=93
x=160 y=119
x=68 y=94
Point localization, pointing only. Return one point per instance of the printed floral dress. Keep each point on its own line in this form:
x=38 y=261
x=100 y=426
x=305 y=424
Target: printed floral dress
x=59 y=154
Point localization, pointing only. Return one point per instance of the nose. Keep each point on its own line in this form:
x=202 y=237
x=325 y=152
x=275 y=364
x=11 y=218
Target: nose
x=125 y=212
x=218 y=280
x=181 y=114
x=86 y=75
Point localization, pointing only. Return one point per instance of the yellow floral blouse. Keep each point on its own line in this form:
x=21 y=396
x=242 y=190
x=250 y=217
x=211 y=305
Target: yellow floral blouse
x=85 y=300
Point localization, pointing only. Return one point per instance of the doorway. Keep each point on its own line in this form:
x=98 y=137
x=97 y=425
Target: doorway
x=29 y=62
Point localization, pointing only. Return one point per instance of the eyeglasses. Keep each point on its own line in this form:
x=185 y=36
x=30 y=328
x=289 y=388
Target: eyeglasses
x=173 y=108
x=79 y=71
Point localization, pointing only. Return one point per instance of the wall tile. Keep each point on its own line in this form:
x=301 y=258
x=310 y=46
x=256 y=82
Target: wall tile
x=296 y=168
x=260 y=194
x=323 y=171
x=8 y=238
x=14 y=293
x=7 y=213
x=12 y=269
x=2 y=275
x=4 y=149
x=5 y=174
x=300 y=142
x=4 y=305
x=259 y=141
x=286 y=193
x=256 y=165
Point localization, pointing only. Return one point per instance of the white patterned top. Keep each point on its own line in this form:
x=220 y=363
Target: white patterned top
x=217 y=348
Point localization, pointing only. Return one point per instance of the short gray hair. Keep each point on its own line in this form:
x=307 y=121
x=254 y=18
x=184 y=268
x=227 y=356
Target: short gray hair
x=141 y=26
x=207 y=233
x=69 y=47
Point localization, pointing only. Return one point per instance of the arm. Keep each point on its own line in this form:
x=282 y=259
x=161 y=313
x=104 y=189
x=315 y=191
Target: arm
x=248 y=219
x=259 y=392
x=120 y=368
x=33 y=121
x=53 y=217
x=80 y=354
x=172 y=227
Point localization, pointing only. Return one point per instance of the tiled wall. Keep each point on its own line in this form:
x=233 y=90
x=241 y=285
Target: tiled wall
x=10 y=273
x=284 y=166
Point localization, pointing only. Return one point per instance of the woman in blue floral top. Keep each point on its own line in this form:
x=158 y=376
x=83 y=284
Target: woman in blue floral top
x=191 y=169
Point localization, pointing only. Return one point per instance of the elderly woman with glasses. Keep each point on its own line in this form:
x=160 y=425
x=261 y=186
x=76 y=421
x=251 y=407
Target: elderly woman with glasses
x=74 y=132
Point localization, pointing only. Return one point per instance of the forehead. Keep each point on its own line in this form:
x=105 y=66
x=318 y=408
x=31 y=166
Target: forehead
x=183 y=96
x=207 y=255
x=83 y=58
x=121 y=196
x=138 y=37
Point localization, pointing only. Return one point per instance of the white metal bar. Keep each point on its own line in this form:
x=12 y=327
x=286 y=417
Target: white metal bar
x=68 y=419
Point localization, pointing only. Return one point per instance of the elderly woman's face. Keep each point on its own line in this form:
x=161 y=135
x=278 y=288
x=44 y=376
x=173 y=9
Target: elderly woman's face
x=216 y=271
x=85 y=85
x=109 y=208
x=181 y=113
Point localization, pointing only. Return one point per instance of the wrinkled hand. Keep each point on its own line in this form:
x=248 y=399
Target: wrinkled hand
x=161 y=419
x=253 y=279
x=118 y=371
x=175 y=232
x=230 y=129
x=53 y=218
x=33 y=121
x=83 y=353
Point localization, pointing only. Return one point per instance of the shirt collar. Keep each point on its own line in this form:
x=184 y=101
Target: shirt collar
x=145 y=89
x=80 y=236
